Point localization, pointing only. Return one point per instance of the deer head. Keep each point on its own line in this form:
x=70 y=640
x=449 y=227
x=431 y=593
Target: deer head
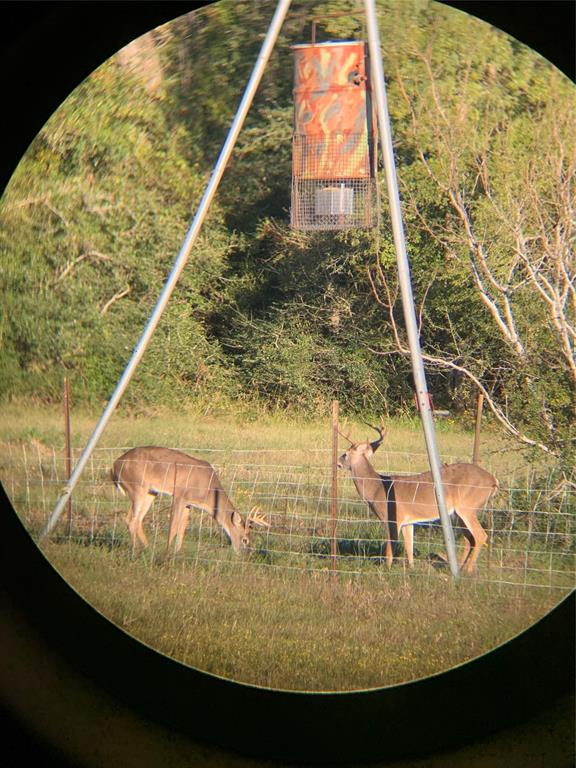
x=360 y=450
x=239 y=531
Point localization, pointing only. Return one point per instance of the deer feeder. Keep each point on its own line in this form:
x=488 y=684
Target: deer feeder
x=334 y=140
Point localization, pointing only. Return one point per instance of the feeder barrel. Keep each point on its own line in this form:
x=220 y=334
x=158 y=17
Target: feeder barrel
x=333 y=145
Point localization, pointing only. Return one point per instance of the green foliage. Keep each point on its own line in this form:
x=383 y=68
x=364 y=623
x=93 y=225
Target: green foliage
x=91 y=223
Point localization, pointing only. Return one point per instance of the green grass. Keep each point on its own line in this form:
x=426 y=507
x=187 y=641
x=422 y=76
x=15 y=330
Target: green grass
x=299 y=630
x=279 y=617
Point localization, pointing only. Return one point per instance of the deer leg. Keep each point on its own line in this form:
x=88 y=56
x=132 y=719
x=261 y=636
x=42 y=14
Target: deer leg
x=469 y=542
x=388 y=549
x=184 y=517
x=475 y=537
x=130 y=518
x=138 y=522
x=175 y=520
x=389 y=553
x=141 y=503
x=408 y=536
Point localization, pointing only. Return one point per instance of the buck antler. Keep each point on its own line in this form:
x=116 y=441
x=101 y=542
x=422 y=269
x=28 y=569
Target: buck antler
x=381 y=431
x=345 y=436
x=255 y=519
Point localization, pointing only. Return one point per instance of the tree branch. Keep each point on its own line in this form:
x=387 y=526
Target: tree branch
x=70 y=265
x=498 y=413
x=116 y=297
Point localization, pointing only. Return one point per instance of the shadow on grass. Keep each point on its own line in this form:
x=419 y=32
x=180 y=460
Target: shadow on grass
x=108 y=541
x=374 y=550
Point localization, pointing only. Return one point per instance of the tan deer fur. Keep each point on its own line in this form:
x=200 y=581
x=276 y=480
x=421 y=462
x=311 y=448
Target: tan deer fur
x=401 y=501
x=144 y=473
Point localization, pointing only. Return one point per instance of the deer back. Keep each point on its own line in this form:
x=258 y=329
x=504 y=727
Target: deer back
x=166 y=470
x=463 y=484
x=471 y=484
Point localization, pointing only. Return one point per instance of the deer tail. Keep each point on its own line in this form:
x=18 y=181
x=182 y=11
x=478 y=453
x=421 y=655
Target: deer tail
x=115 y=480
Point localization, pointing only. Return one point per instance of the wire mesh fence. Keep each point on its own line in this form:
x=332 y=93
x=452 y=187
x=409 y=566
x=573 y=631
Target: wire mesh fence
x=342 y=199
x=530 y=523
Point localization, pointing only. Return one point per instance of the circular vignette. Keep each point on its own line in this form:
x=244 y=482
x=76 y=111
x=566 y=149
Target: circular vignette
x=505 y=686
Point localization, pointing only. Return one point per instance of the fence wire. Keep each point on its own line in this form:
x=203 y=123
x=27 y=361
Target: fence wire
x=530 y=523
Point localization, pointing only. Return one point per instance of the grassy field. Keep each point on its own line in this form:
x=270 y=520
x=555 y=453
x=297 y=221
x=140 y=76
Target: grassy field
x=279 y=617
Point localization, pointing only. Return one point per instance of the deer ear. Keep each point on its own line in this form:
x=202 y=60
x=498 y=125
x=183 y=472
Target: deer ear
x=375 y=445
x=237 y=519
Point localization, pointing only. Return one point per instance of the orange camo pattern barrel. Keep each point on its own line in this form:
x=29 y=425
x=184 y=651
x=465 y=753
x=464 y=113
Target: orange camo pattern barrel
x=333 y=115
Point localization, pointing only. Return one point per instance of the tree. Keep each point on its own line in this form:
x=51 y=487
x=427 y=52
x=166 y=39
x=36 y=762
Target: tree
x=90 y=224
x=489 y=175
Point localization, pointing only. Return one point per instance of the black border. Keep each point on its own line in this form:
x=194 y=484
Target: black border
x=547 y=26
x=50 y=47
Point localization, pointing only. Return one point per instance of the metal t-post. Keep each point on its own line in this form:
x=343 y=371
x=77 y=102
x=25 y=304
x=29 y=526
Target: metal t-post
x=259 y=67
x=404 y=278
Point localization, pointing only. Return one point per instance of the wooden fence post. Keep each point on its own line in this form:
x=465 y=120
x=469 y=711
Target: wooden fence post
x=476 y=450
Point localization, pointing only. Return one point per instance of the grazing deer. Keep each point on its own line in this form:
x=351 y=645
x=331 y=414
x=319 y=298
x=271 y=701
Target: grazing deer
x=144 y=473
x=402 y=501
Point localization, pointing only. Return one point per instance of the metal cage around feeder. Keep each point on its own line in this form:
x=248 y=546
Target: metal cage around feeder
x=334 y=183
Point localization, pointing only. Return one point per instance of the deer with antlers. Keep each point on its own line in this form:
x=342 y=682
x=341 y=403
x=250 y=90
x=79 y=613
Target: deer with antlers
x=403 y=501
x=146 y=472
